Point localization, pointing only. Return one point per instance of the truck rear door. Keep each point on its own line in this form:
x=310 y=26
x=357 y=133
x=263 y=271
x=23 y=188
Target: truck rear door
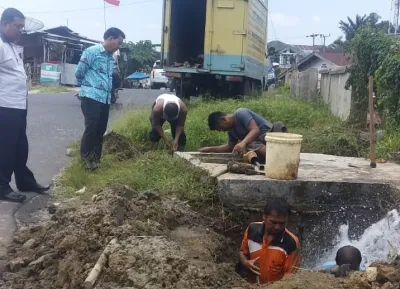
x=225 y=35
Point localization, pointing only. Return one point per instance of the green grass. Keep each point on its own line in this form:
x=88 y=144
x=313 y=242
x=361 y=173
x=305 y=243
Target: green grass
x=322 y=133
x=151 y=171
x=50 y=88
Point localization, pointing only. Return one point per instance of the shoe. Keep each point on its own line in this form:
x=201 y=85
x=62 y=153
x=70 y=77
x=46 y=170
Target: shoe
x=10 y=196
x=90 y=166
x=37 y=188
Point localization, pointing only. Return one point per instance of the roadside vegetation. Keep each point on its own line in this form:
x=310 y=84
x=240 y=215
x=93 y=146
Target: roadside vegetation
x=50 y=88
x=322 y=133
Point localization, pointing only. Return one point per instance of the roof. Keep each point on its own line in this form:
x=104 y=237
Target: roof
x=338 y=58
x=308 y=48
x=66 y=32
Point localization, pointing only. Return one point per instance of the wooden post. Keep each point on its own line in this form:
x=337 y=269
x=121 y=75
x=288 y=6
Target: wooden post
x=371 y=123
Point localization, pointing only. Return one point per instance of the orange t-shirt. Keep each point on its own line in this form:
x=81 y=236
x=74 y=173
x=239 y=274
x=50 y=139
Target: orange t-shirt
x=283 y=251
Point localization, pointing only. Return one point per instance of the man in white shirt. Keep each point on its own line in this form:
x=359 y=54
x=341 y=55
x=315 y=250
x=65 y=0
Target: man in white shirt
x=14 y=147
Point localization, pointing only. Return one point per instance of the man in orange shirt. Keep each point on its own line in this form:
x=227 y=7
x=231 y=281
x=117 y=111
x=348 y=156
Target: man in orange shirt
x=269 y=251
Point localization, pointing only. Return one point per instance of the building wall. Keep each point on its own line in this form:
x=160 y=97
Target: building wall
x=334 y=93
x=303 y=84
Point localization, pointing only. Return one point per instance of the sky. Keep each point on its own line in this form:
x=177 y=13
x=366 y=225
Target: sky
x=290 y=21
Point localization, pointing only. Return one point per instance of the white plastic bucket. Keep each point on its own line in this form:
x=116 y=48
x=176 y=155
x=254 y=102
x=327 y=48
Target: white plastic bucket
x=282 y=155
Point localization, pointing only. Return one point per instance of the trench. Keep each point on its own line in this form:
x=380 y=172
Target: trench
x=320 y=210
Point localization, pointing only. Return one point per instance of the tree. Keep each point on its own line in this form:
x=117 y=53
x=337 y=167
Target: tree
x=338 y=45
x=141 y=57
x=350 y=27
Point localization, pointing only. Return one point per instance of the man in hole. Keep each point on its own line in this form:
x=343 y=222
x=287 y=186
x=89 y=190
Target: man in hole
x=269 y=251
x=348 y=258
x=246 y=132
x=168 y=107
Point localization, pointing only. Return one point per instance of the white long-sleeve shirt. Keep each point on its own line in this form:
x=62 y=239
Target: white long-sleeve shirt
x=13 y=79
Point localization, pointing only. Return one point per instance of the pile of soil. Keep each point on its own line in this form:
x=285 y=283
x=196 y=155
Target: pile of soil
x=119 y=146
x=162 y=243
x=386 y=276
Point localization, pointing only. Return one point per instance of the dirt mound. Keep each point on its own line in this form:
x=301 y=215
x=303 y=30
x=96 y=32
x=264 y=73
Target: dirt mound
x=162 y=243
x=119 y=146
x=379 y=276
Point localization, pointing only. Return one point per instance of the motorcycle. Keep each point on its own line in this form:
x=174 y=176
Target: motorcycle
x=115 y=95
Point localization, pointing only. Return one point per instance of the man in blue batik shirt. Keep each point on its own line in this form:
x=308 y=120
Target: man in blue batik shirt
x=94 y=75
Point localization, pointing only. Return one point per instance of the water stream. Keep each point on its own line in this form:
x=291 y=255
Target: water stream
x=379 y=242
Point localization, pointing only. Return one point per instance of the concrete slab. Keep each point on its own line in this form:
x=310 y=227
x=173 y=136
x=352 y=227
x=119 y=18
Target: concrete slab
x=323 y=181
x=313 y=167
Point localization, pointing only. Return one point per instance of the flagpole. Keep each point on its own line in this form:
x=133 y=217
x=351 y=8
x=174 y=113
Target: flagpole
x=105 y=20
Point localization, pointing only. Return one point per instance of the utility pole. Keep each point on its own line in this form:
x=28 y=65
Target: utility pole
x=324 y=36
x=313 y=38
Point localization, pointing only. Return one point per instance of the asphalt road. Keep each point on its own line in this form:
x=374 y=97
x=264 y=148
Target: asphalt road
x=55 y=121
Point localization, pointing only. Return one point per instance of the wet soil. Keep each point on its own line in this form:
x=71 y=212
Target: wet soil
x=119 y=145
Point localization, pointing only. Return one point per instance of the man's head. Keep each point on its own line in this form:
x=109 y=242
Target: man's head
x=220 y=122
x=171 y=110
x=276 y=215
x=12 y=24
x=113 y=39
x=279 y=127
x=349 y=255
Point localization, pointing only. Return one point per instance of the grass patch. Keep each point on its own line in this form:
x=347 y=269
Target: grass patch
x=50 y=88
x=322 y=132
x=388 y=147
x=153 y=170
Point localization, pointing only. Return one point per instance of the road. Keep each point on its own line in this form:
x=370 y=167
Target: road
x=55 y=121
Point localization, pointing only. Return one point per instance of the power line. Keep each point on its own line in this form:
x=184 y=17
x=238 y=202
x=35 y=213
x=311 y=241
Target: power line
x=273 y=26
x=85 y=9
x=313 y=36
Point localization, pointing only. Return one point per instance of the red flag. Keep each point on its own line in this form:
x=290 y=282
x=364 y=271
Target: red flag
x=113 y=2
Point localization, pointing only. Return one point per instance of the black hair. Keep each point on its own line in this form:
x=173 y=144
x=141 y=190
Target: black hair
x=349 y=255
x=171 y=110
x=114 y=33
x=10 y=14
x=278 y=205
x=279 y=127
x=214 y=118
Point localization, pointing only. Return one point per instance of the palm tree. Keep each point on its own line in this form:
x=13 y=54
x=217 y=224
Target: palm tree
x=350 y=27
x=338 y=45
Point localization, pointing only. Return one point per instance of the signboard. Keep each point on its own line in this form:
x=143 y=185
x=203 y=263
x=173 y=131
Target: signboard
x=50 y=73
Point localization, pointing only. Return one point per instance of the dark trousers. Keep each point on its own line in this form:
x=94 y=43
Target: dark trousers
x=155 y=137
x=14 y=150
x=96 y=120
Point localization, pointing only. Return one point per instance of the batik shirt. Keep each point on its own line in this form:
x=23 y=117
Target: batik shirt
x=94 y=74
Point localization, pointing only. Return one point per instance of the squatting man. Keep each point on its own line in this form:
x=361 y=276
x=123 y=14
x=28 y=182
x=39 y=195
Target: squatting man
x=246 y=132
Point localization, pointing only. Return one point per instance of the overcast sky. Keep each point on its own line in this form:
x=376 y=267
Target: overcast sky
x=290 y=21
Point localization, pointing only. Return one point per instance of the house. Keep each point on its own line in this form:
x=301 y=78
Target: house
x=288 y=55
x=320 y=61
x=59 y=46
x=324 y=60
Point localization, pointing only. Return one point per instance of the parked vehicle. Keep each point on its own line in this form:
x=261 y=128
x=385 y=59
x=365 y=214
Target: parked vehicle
x=157 y=76
x=115 y=95
x=271 y=79
x=214 y=46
